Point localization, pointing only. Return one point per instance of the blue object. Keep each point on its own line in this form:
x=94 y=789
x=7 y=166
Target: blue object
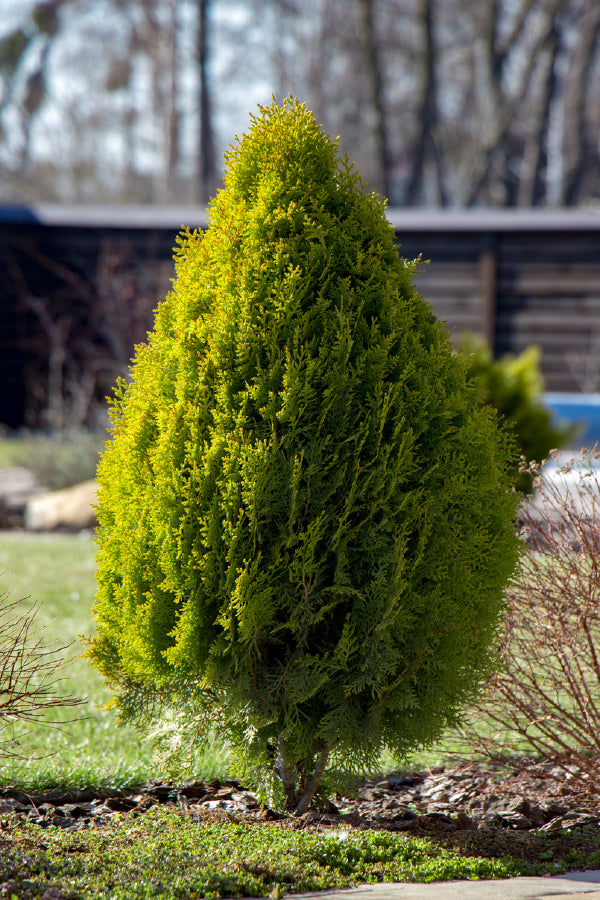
x=577 y=409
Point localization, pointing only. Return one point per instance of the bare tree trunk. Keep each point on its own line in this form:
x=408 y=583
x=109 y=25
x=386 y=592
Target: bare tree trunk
x=375 y=77
x=297 y=803
x=425 y=148
x=307 y=797
x=584 y=156
x=532 y=181
x=172 y=130
x=287 y=773
x=206 y=153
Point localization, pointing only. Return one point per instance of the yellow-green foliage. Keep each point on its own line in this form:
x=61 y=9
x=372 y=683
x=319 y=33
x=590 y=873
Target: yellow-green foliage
x=513 y=385
x=305 y=516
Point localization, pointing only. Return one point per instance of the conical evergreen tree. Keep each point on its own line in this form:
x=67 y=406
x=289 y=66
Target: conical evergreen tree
x=305 y=518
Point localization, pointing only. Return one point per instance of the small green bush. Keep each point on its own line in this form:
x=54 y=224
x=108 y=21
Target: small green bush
x=305 y=514
x=513 y=385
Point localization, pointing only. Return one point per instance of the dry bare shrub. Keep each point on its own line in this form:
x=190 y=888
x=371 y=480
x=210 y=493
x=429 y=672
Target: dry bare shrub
x=546 y=696
x=29 y=673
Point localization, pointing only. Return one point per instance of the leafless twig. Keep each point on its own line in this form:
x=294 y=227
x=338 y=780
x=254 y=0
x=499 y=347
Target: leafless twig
x=546 y=697
x=29 y=673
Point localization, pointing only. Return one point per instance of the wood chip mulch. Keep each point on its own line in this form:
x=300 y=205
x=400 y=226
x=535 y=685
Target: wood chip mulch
x=465 y=797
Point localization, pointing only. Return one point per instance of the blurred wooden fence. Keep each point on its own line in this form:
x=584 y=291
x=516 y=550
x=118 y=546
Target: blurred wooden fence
x=517 y=277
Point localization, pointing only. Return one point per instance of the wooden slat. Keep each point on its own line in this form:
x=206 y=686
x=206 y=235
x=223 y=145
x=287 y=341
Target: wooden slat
x=552 y=320
x=550 y=285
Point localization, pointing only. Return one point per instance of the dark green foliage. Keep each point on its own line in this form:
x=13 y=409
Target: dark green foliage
x=513 y=385
x=305 y=516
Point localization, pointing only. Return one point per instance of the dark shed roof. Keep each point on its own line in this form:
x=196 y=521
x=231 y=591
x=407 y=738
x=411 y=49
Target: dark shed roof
x=174 y=217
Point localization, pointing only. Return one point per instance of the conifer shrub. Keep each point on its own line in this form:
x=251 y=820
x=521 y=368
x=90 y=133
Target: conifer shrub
x=305 y=516
x=514 y=385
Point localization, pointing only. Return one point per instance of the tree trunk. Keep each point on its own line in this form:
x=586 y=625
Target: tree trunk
x=583 y=154
x=307 y=797
x=533 y=183
x=298 y=803
x=374 y=74
x=287 y=773
x=172 y=137
x=425 y=148
x=206 y=176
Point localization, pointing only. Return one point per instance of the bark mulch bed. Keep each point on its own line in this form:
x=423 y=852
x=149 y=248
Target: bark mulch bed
x=465 y=797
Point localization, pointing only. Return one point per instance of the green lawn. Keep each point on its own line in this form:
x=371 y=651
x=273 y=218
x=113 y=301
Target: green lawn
x=59 y=571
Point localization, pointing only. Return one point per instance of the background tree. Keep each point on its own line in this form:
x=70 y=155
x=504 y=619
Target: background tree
x=108 y=101
x=488 y=102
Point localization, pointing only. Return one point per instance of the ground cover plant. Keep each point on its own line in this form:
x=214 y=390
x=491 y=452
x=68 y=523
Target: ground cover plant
x=305 y=522
x=165 y=855
x=170 y=856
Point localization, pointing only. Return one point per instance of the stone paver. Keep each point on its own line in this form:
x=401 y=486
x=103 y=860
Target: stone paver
x=558 y=887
